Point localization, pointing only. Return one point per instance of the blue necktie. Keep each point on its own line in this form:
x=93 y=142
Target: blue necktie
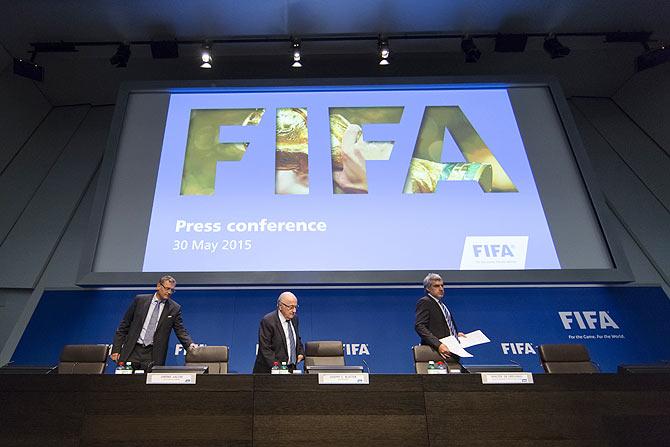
x=151 y=327
x=450 y=323
x=291 y=344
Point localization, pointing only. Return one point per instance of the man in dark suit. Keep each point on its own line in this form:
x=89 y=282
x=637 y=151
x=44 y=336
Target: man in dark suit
x=279 y=336
x=433 y=319
x=144 y=331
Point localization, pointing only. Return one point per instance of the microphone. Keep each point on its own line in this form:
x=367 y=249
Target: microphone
x=366 y=365
x=52 y=369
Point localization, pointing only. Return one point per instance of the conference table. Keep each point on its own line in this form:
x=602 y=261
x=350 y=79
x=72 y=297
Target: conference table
x=290 y=410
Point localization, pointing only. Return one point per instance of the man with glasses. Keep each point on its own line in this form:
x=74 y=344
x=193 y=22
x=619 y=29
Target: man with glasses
x=279 y=336
x=143 y=334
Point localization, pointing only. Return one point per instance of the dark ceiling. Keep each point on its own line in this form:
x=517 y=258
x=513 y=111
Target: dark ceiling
x=87 y=76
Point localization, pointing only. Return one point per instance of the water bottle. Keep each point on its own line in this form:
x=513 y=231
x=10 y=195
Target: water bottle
x=275 y=368
x=441 y=367
x=431 y=367
x=129 y=366
x=284 y=368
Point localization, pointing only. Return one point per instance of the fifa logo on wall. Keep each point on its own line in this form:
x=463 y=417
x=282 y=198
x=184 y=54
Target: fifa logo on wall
x=356 y=348
x=587 y=319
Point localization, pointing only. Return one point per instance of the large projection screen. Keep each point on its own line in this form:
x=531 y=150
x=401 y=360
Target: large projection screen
x=347 y=182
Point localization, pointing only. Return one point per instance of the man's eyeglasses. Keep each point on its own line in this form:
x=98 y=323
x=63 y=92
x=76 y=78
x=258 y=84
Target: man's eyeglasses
x=290 y=307
x=169 y=290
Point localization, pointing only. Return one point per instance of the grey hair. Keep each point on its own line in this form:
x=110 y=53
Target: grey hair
x=281 y=295
x=430 y=278
x=167 y=278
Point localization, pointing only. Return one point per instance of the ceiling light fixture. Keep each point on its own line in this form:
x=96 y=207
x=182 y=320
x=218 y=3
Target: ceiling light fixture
x=296 y=53
x=472 y=53
x=555 y=48
x=384 y=51
x=206 y=56
x=121 y=57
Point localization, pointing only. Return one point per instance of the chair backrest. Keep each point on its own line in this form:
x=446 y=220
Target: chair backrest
x=83 y=359
x=566 y=359
x=324 y=353
x=422 y=355
x=215 y=357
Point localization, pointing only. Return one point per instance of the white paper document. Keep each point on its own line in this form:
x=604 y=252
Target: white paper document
x=457 y=346
x=454 y=346
x=473 y=338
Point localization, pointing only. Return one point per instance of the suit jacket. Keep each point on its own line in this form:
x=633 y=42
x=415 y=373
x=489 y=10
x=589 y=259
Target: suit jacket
x=430 y=323
x=130 y=328
x=272 y=342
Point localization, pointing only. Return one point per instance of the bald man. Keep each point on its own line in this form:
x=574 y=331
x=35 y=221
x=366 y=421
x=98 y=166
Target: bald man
x=279 y=336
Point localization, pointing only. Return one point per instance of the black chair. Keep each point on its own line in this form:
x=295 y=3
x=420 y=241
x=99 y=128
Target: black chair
x=215 y=357
x=324 y=353
x=83 y=359
x=566 y=359
x=424 y=354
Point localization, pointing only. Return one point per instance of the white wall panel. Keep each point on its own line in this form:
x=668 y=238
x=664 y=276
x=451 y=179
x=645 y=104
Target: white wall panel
x=646 y=99
x=22 y=109
x=643 y=216
x=640 y=153
x=32 y=164
x=27 y=249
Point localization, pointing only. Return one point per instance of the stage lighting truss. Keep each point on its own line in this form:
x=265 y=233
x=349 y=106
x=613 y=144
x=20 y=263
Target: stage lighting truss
x=169 y=49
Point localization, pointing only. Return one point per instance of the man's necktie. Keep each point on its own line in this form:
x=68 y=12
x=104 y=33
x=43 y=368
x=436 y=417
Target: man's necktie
x=291 y=345
x=450 y=323
x=151 y=327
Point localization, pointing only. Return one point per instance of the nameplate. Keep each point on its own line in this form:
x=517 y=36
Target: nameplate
x=123 y=371
x=513 y=378
x=437 y=371
x=171 y=378
x=344 y=379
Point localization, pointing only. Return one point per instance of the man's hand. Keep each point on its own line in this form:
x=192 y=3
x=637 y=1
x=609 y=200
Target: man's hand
x=461 y=334
x=444 y=351
x=192 y=347
x=300 y=358
x=115 y=357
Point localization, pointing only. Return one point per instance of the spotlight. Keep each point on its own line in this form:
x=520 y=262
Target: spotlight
x=555 y=48
x=28 y=69
x=511 y=43
x=120 y=58
x=652 y=58
x=384 y=51
x=296 y=54
x=472 y=53
x=164 y=49
x=206 y=56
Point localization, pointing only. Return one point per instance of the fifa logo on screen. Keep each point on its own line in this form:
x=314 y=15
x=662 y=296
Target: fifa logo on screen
x=356 y=349
x=517 y=348
x=492 y=250
x=588 y=319
x=349 y=151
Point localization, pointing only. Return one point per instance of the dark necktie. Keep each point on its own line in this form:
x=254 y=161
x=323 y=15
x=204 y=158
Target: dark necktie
x=291 y=344
x=151 y=327
x=450 y=323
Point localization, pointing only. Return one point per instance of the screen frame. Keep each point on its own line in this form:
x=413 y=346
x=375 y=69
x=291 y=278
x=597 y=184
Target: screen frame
x=619 y=273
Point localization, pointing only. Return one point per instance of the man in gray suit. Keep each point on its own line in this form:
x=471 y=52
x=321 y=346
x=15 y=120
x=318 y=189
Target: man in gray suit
x=279 y=336
x=144 y=331
x=433 y=320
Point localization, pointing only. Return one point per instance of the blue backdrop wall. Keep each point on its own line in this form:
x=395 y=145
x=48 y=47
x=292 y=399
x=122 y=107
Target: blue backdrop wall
x=618 y=324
